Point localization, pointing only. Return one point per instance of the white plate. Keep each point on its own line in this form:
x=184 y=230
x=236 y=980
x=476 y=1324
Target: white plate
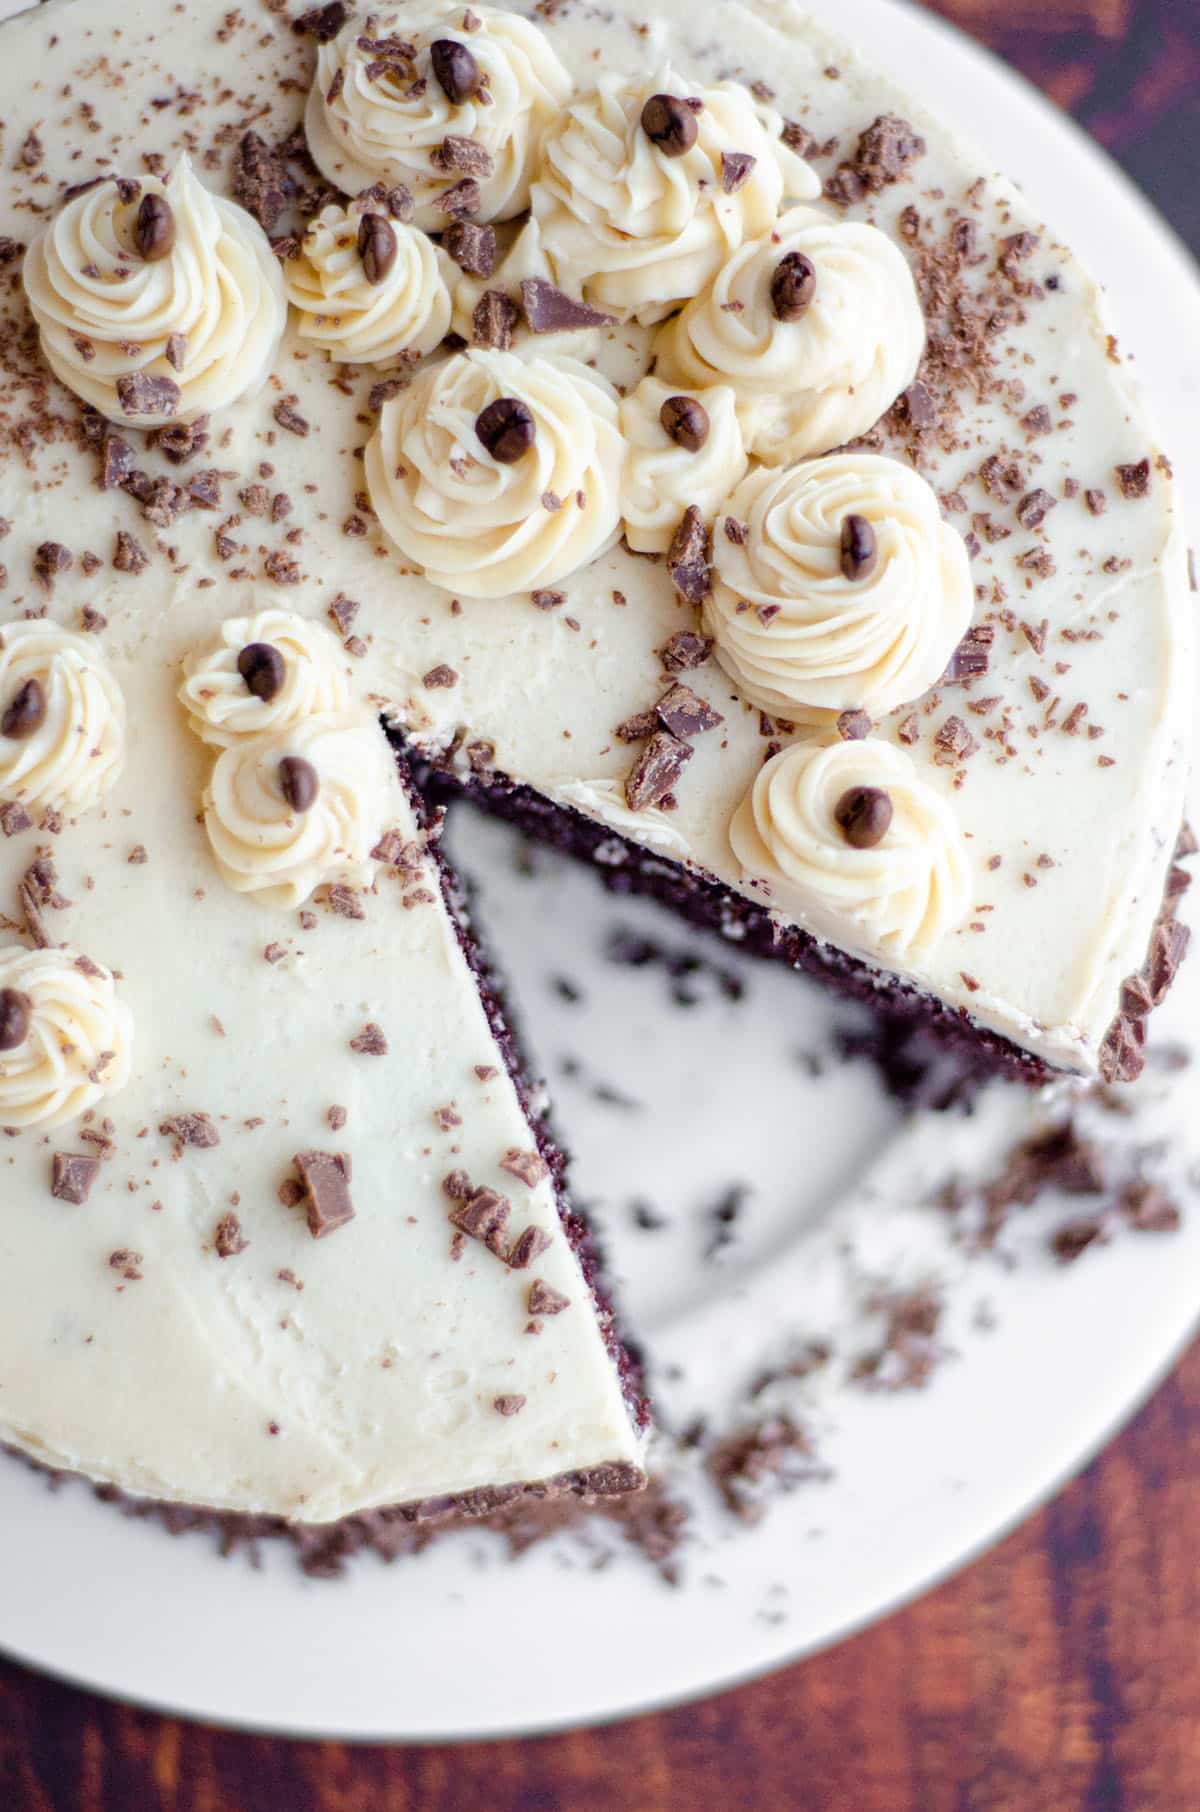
x=456 y=1644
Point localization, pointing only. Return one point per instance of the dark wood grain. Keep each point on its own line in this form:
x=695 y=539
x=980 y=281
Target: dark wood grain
x=1061 y=1673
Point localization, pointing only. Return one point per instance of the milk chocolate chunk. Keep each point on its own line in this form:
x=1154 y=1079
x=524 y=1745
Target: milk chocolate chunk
x=736 y=167
x=859 y=547
x=154 y=229
x=549 y=309
x=685 y=713
x=669 y=124
x=298 y=782
x=140 y=394
x=26 y=711
x=473 y=248
x=793 y=286
x=262 y=667
x=685 y=421
x=544 y=1299
x=376 y=247
x=14 y=1019
x=688 y=557
x=326 y=1179
x=506 y=429
x=455 y=70
x=323 y=22
x=494 y=319
x=656 y=770
x=863 y=815
x=72 y=1174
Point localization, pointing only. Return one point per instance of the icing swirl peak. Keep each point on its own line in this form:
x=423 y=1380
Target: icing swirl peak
x=357 y=320
x=222 y=706
x=664 y=476
x=67 y=753
x=156 y=338
x=77 y=1039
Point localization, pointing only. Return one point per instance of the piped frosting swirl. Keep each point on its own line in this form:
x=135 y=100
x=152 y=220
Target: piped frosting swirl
x=150 y=341
x=70 y=758
x=221 y=705
x=357 y=321
x=376 y=115
x=794 y=632
x=77 y=1045
x=479 y=526
x=664 y=478
x=904 y=893
x=638 y=231
x=814 y=382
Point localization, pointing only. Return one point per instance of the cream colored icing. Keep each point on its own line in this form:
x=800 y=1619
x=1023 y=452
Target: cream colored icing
x=663 y=479
x=638 y=231
x=903 y=895
x=796 y=636
x=77 y=1050
x=479 y=527
x=807 y=385
x=354 y=320
x=216 y=301
x=390 y=126
x=221 y=708
x=77 y=752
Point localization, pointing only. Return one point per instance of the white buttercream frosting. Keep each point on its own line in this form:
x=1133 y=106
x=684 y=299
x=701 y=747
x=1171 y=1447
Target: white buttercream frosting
x=481 y=528
x=75 y=754
x=662 y=479
x=389 y=126
x=638 y=231
x=77 y=1047
x=262 y=845
x=793 y=632
x=806 y=385
x=222 y=709
x=354 y=320
x=903 y=895
x=215 y=304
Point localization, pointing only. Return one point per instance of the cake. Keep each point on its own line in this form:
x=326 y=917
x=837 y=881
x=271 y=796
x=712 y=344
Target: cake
x=665 y=434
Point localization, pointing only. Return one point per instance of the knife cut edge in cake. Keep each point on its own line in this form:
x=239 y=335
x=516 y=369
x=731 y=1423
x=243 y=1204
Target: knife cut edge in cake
x=282 y=1232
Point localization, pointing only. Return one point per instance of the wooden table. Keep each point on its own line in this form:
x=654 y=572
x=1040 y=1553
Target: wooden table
x=1061 y=1673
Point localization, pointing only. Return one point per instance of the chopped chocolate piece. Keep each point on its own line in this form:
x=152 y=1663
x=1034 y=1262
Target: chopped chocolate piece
x=458 y=153
x=920 y=406
x=72 y=1175
x=1073 y=1238
x=1034 y=507
x=1148 y=1208
x=345 y=902
x=525 y=1248
x=127 y=1264
x=1038 y=420
x=685 y=649
x=1168 y=947
x=25 y=712
x=337 y=1117
x=439 y=677
x=323 y=22
x=399 y=203
x=1134 y=480
x=669 y=124
x=509 y=1405
x=14 y=819
x=290 y=418
x=685 y=713
x=343 y=610
x=637 y=728
x=1096 y=501
x=370 y=1042
x=263 y=669
x=689 y=557
x=656 y=770
x=544 y=1299
x=1122 y=1054
x=180 y=441
x=473 y=248
x=863 y=814
x=482 y=1216
x=299 y=783
x=14 y=1018
x=228 y=1238
x=116 y=462
x=970 y=659
x=506 y=429
x=529 y=1167
x=460 y=200
x=129 y=556
x=547 y=599
x=953 y=741
x=197 y=1130
x=140 y=394
x=30 y=152
x=154 y=229
x=455 y=70
x=259 y=180
x=685 y=421
x=550 y=310
x=204 y=489
x=793 y=286
x=885 y=150
x=494 y=319
x=735 y=170
x=859 y=548
x=50 y=559
x=326 y=1179
x=854 y=726
x=376 y=247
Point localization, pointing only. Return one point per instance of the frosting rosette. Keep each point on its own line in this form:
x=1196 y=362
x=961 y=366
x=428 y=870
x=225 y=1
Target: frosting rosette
x=62 y=740
x=477 y=524
x=639 y=231
x=812 y=382
x=258 y=675
x=357 y=321
x=76 y=1043
x=663 y=475
x=796 y=633
x=904 y=892
x=377 y=110
x=151 y=339
x=289 y=812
